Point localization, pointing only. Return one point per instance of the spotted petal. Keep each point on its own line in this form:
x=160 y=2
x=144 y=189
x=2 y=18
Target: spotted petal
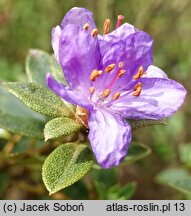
x=159 y=98
x=109 y=137
x=78 y=16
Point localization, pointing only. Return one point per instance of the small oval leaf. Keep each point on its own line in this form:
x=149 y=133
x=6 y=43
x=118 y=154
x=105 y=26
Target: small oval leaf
x=38 y=98
x=59 y=127
x=65 y=165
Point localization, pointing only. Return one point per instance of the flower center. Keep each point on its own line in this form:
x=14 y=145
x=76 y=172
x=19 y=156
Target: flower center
x=117 y=71
x=107 y=95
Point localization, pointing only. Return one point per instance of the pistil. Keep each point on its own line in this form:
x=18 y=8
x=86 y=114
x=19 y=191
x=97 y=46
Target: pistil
x=119 y=73
x=120 y=18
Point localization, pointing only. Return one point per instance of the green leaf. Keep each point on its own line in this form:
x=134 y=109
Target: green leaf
x=118 y=192
x=179 y=179
x=38 y=98
x=38 y=64
x=25 y=126
x=17 y=118
x=185 y=153
x=65 y=165
x=137 y=151
x=139 y=123
x=59 y=127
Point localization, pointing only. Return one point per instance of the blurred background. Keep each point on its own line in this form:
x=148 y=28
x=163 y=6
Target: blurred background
x=27 y=24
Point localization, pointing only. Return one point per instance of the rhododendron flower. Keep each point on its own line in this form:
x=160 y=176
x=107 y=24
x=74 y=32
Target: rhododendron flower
x=111 y=76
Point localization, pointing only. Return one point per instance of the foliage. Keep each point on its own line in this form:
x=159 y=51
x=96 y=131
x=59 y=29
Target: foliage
x=22 y=149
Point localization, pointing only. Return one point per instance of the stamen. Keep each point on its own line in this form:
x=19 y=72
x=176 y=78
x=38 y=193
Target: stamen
x=137 y=89
x=95 y=74
x=109 y=68
x=86 y=26
x=106 y=93
x=121 y=65
x=139 y=73
x=100 y=72
x=120 y=18
x=116 y=96
x=94 y=32
x=106 y=26
x=121 y=73
x=92 y=90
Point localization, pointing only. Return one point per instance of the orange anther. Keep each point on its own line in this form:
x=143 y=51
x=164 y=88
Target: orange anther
x=137 y=89
x=116 y=96
x=86 y=26
x=121 y=73
x=109 y=68
x=92 y=90
x=94 y=75
x=94 y=32
x=139 y=73
x=106 y=93
x=100 y=72
x=106 y=26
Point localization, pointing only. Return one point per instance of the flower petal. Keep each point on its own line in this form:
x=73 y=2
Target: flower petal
x=159 y=98
x=122 y=32
x=73 y=96
x=78 y=16
x=56 y=32
x=134 y=49
x=153 y=71
x=79 y=55
x=109 y=137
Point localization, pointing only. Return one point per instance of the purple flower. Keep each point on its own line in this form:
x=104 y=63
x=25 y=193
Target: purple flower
x=112 y=77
